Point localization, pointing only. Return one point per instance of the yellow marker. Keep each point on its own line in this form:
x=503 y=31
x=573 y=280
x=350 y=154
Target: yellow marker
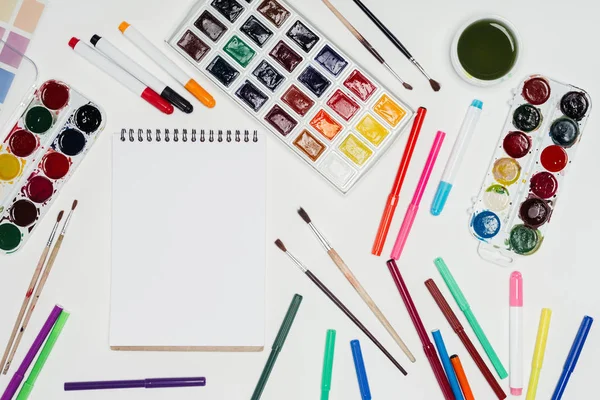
x=538 y=353
x=355 y=150
x=389 y=110
x=166 y=64
x=372 y=130
x=10 y=167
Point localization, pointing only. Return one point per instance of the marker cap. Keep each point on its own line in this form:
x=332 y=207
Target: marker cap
x=200 y=93
x=516 y=289
x=439 y=201
x=516 y=391
x=477 y=103
x=123 y=27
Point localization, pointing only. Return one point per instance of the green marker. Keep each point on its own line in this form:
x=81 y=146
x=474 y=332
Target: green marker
x=466 y=309
x=328 y=364
x=286 y=325
x=43 y=357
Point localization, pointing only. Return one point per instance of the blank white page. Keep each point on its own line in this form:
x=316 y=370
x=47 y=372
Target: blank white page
x=188 y=245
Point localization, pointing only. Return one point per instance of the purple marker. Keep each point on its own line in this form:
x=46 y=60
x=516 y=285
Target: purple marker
x=151 y=383
x=19 y=375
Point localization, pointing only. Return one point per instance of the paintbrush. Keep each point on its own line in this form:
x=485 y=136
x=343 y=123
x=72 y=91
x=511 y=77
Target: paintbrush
x=30 y=289
x=40 y=287
x=355 y=284
x=365 y=43
x=340 y=305
x=434 y=84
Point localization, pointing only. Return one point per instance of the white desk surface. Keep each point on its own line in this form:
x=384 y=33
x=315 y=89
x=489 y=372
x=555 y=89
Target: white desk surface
x=563 y=276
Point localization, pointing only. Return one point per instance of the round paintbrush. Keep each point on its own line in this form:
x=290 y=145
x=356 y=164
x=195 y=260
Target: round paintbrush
x=356 y=284
x=40 y=287
x=340 y=305
x=434 y=84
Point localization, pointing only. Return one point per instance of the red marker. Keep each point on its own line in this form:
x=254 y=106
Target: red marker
x=120 y=75
x=392 y=201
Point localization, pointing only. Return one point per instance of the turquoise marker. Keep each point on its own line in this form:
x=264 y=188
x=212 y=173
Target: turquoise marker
x=327 y=364
x=450 y=374
x=458 y=153
x=464 y=306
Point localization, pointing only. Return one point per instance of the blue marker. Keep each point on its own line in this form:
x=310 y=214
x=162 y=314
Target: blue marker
x=361 y=373
x=441 y=348
x=573 y=356
x=458 y=153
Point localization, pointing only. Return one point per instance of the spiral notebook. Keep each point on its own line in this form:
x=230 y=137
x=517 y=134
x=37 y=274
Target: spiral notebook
x=188 y=241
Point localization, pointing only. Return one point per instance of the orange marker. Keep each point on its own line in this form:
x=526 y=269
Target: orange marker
x=462 y=378
x=166 y=64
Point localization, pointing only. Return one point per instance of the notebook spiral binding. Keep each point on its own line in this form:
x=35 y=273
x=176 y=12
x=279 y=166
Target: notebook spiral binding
x=159 y=135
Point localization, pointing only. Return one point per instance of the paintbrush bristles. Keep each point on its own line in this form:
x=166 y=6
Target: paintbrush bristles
x=60 y=215
x=281 y=246
x=407 y=86
x=304 y=215
x=435 y=85
x=74 y=205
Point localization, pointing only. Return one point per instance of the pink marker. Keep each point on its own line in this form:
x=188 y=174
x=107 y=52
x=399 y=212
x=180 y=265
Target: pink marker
x=516 y=334
x=411 y=212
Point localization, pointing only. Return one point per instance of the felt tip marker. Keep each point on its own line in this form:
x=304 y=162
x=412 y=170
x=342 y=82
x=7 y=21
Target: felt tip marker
x=361 y=372
x=573 y=357
x=140 y=41
x=447 y=364
x=538 y=353
x=121 y=76
x=458 y=153
x=515 y=374
x=462 y=377
x=151 y=383
x=413 y=207
x=140 y=73
x=328 y=364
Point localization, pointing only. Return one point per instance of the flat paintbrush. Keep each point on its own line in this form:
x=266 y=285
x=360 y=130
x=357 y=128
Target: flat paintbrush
x=30 y=289
x=434 y=84
x=340 y=305
x=365 y=43
x=40 y=287
x=356 y=284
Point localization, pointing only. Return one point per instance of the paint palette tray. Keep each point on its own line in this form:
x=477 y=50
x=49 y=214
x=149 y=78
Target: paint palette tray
x=538 y=142
x=50 y=133
x=285 y=73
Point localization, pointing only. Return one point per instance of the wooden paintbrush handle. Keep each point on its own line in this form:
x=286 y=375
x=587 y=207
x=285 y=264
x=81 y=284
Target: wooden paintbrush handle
x=370 y=303
x=354 y=31
x=34 y=301
x=34 y=279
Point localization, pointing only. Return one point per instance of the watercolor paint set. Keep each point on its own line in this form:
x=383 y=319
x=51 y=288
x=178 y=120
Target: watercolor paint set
x=50 y=133
x=283 y=71
x=538 y=142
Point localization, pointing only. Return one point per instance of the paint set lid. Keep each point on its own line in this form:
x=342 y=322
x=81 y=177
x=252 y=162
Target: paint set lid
x=21 y=81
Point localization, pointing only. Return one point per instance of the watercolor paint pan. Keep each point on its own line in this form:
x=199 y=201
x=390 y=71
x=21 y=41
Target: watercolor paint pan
x=303 y=88
x=526 y=175
x=50 y=135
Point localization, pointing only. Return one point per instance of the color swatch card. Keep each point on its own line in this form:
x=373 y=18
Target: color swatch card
x=18 y=21
x=188 y=241
x=279 y=68
x=526 y=176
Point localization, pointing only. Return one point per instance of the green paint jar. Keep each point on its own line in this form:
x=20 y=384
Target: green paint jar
x=486 y=50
